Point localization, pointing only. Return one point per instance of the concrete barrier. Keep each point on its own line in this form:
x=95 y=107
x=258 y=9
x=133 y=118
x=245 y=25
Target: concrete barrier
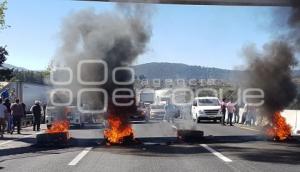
x=292 y=118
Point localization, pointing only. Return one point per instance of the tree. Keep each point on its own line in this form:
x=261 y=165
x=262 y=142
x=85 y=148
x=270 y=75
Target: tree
x=142 y=77
x=5 y=74
x=3 y=54
x=3 y=8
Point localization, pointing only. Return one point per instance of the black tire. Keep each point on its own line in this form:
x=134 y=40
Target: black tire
x=48 y=126
x=198 y=120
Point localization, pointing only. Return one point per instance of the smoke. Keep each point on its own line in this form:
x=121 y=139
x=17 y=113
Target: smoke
x=271 y=68
x=116 y=37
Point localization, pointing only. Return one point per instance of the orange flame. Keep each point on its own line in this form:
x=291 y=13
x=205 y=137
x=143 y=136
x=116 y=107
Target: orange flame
x=59 y=127
x=117 y=130
x=280 y=130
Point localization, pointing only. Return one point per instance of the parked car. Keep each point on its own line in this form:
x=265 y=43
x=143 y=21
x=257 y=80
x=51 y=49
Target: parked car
x=206 y=108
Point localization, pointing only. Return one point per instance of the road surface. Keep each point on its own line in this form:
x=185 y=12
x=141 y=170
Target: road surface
x=223 y=148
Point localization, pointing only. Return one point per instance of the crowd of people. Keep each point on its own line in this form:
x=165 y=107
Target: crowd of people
x=11 y=115
x=233 y=111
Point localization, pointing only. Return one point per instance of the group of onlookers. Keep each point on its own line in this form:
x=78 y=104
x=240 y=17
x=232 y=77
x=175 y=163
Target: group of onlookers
x=233 y=110
x=12 y=114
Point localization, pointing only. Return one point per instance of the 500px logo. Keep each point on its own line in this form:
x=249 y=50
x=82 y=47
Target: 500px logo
x=64 y=81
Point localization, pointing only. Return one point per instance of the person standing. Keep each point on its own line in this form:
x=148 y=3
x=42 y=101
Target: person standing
x=44 y=112
x=237 y=113
x=223 y=109
x=17 y=112
x=252 y=115
x=3 y=112
x=9 y=116
x=230 y=110
x=169 y=112
x=244 y=115
x=37 y=113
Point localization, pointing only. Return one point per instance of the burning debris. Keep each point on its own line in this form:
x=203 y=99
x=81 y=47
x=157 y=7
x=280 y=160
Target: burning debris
x=117 y=38
x=57 y=133
x=59 y=127
x=118 y=130
x=271 y=71
x=280 y=129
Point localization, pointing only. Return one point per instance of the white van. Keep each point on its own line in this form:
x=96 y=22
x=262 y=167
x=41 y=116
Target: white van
x=206 y=108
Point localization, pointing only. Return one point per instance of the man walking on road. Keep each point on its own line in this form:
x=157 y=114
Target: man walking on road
x=17 y=112
x=3 y=112
x=37 y=113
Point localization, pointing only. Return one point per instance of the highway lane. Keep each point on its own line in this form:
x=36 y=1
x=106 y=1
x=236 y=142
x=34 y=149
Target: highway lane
x=161 y=151
x=249 y=149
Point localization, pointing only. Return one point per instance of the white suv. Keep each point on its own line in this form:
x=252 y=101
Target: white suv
x=206 y=108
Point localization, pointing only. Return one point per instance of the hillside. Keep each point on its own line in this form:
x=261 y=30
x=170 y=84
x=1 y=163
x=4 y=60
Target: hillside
x=182 y=71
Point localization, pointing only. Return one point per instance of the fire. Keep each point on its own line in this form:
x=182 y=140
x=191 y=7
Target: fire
x=280 y=130
x=59 y=127
x=117 y=131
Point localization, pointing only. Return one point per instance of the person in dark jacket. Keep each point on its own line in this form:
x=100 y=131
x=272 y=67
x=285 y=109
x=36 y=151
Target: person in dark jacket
x=37 y=113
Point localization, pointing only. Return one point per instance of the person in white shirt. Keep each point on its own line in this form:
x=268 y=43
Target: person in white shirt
x=3 y=111
x=231 y=109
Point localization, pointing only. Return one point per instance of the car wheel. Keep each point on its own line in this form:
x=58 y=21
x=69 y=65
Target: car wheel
x=198 y=120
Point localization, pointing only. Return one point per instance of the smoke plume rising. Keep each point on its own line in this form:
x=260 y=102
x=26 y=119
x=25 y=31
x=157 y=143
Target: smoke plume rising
x=116 y=37
x=271 y=68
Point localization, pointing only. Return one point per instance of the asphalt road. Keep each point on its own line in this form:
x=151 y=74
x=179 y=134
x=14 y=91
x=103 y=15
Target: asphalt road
x=223 y=148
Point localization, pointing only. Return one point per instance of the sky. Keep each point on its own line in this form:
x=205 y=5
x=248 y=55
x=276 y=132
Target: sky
x=211 y=36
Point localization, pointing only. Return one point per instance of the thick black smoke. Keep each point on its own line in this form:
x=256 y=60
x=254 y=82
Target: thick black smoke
x=271 y=68
x=117 y=38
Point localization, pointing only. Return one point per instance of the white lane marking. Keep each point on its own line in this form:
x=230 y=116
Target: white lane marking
x=173 y=126
x=217 y=154
x=16 y=139
x=80 y=156
x=246 y=128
